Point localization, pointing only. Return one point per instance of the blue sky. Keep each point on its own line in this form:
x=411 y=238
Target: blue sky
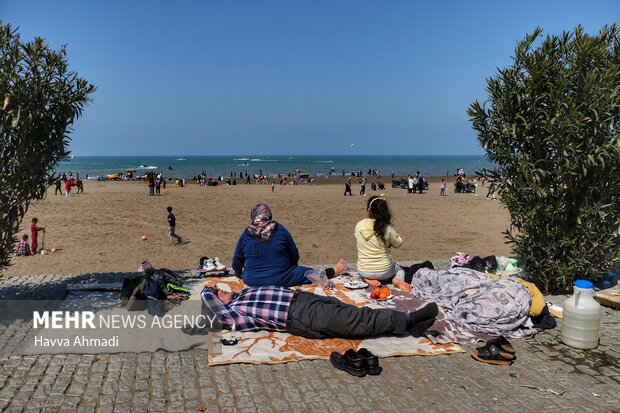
x=288 y=77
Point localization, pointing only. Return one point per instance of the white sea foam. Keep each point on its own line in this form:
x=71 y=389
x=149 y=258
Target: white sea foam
x=241 y=159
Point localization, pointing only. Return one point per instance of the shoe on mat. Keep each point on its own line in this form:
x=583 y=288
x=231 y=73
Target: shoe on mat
x=209 y=265
x=370 y=361
x=218 y=264
x=492 y=354
x=503 y=344
x=350 y=361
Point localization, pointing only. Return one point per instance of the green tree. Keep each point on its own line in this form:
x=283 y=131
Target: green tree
x=39 y=100
x=551 y=126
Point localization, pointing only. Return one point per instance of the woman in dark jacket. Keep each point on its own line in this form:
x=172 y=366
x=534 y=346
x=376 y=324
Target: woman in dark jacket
x=267 y=255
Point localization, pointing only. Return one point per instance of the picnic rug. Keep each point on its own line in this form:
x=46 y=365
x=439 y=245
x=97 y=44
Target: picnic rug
x=254 y=347
x=266 y=347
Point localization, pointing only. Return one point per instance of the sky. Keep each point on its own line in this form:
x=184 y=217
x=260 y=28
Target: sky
x=284 y=77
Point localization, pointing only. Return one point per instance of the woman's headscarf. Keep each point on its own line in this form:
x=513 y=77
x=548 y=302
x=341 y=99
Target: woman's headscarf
x=261 y=225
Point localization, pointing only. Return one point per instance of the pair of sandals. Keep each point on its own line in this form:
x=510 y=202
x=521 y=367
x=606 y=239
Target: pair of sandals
x=357 y=363
x=498 y=351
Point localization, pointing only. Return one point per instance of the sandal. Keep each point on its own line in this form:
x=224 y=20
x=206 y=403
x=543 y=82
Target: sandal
x=503 y=344
x=491 y=354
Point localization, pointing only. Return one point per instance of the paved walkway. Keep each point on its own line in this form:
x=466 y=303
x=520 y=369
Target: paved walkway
x=547 y=376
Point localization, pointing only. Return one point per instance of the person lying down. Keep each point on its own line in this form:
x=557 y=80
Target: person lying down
x=308 y=315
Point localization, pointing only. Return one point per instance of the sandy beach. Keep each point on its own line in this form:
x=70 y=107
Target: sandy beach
x=100 y=230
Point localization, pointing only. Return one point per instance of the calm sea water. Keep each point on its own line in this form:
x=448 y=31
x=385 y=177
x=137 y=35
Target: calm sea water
x=190 y=166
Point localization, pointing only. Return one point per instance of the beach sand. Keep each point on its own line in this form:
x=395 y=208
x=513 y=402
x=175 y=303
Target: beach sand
x=100 y=230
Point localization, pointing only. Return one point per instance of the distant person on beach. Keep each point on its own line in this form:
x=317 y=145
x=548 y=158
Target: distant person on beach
x=34 y=232
x=247 y=179
x=23 y=249
x=347 y=187
x=442 y=187
x=172 y=222
x=58 y=184
x=363 y=186
x=375 y=237
x=410 y=184
x=273 y=186
x=267 y=255
x=491 y=192
x=151 y=185
x=67 y=189
x=158 y=185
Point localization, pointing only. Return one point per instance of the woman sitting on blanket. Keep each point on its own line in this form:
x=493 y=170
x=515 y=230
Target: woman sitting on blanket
x=267 y=255
x=375 y=238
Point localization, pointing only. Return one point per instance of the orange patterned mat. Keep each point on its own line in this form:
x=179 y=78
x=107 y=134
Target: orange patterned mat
x=266 y=347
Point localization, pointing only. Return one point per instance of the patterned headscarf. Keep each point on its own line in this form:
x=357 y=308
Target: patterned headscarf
x=261 y=225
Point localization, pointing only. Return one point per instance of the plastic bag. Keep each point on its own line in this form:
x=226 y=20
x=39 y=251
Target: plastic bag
x=319 y=278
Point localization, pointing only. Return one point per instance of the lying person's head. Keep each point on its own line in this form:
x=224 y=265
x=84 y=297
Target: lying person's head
x=224 y=292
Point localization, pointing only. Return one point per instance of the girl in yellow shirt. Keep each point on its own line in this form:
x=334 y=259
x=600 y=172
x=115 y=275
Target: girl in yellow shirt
x=375 y=238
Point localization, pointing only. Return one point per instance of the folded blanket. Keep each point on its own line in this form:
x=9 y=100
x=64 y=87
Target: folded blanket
x=476 y=301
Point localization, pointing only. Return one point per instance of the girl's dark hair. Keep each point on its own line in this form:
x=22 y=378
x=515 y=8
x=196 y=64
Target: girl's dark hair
x=381 y=213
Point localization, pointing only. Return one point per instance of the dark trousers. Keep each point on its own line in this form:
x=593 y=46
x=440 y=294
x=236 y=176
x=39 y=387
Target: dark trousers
x=314 y=316
x=347 y=189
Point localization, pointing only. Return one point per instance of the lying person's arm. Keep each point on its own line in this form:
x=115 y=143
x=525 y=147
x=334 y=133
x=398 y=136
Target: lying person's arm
x=226 y=314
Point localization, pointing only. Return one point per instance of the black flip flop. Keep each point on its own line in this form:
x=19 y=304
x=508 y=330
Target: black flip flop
x=503 y=344
x=493 y=355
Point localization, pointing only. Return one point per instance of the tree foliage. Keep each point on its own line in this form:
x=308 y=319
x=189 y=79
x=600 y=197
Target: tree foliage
x=39 y=100
x=551 y=126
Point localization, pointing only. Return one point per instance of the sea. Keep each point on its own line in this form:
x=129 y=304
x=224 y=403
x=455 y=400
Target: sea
x=188 y=167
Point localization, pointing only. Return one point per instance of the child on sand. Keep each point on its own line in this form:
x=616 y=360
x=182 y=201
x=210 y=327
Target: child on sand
x=34 y=230
x=375 y=238
x=23 y=249
x=172 y=221
x=67 y=191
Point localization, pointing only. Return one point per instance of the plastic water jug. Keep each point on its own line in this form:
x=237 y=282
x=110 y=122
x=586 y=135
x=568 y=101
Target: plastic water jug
x=582 y=317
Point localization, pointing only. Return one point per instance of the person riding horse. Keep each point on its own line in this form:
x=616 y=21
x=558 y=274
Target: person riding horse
x=75 y=182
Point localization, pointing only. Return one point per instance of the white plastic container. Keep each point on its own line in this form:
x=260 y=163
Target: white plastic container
x=582 y=318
